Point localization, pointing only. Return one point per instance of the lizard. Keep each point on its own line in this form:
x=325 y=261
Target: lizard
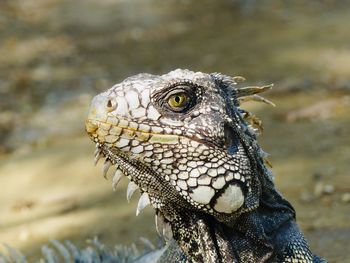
x=184 y=141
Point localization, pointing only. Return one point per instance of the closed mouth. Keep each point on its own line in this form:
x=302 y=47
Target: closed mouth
x=134 y=131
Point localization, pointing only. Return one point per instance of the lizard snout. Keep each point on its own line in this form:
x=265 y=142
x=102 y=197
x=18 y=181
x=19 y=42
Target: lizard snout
x=98 y=111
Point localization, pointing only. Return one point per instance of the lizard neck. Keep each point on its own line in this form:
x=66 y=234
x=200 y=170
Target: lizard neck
x=252 y=234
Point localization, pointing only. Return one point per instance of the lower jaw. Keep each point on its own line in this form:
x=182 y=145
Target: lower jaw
x=150 y=187
x=199 y=226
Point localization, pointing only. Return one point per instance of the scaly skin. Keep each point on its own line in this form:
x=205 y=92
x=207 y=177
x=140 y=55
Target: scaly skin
x=184 y=142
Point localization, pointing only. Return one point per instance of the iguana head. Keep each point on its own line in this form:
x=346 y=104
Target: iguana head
x=181 y=138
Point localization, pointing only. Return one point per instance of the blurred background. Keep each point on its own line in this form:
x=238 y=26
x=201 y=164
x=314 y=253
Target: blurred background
x=55 y=55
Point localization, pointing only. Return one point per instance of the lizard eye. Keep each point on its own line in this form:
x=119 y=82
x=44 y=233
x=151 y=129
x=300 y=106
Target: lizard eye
x=179 y=100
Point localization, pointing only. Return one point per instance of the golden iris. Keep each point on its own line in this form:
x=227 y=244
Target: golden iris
x=178 y=100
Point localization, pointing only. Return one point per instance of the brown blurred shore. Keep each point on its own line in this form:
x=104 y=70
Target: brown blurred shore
x=55 y=55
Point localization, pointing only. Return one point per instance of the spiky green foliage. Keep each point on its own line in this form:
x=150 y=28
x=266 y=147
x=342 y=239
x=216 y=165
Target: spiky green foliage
x=94 y=252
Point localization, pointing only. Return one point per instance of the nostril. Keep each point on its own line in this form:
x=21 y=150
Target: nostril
x=111 y=104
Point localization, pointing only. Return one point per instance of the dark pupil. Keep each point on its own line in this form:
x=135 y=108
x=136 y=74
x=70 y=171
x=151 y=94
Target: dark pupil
x=177 y=99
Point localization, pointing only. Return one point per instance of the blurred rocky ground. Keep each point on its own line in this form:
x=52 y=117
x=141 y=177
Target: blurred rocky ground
x=55 y=55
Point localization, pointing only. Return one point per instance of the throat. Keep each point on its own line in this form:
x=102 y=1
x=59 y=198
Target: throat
x=202 y=238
